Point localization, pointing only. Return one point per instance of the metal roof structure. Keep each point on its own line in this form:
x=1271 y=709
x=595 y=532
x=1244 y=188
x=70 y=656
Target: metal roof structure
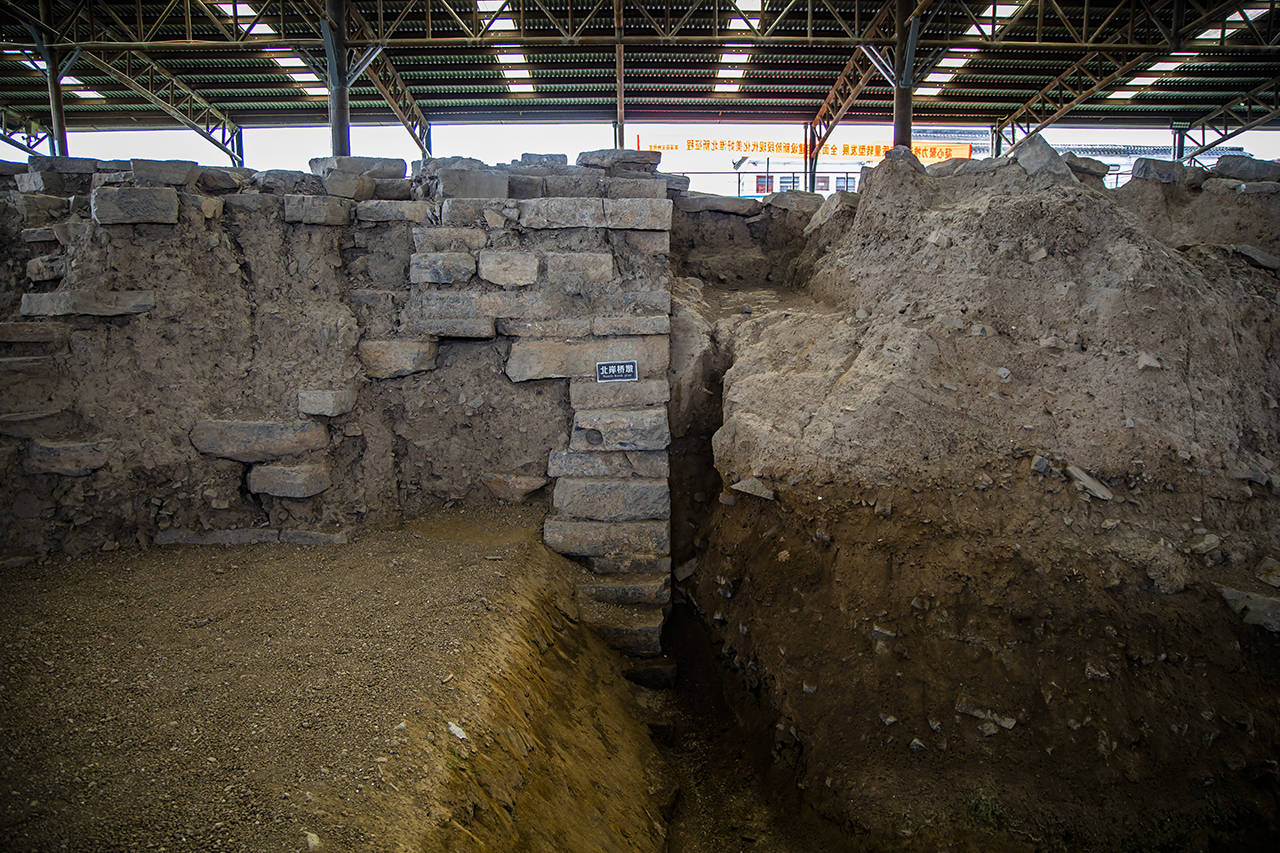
x=1208 y=68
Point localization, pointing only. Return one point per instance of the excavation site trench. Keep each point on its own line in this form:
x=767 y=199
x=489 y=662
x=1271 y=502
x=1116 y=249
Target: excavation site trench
x=556 y=507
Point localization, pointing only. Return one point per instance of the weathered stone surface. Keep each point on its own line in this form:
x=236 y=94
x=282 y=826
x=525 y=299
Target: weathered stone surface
x=649 y=242
x=254 y=204
x=675 y=183
x=704 y=203
x=289 y=481
x=287 y=181
x=164 y=172
x=627 y=325
x=391 y=358
x=47 y=267
x=617 y=464
x=234 y=536
x=258 y=441
x=1085 y=165
x=605 y=538
x=588 y=185
x=631 y=499
x=590 y=394
x=648 y=588
x=1241 y=168
x=349 y=185
x=452 y=327
x=485 y=212
x=607 y=158
x=441 y=267
x=41 y=209
x=512 y=488
x=630 y=564
x=104 y=179
x=209 y=207
x=374 y=167
x=430 y=166
x=315 y=537
x=632 y=630
x=1260 y=610
x=380 y=210
x=544 y=159
x=472 y=183
x=393 y=189
x=329 y=403
x=620 y=429
x=945 y=168
x=44 y=234
x=1257 y=257
x=68 y=233
x=317 y=209
x=541 y=359
x=562 y=213
x=635 y=188
x=65 y=302
x=67 y=165
x=442 y=239
x=753 y=486
x=508 y=268
x=1151 y=169
x=1038 y=157
x=1260 y=188
x=40 y=182
x=641 y=214
x=67 y=458
x=569 y=327
x=218 y=180
x=578 y=267
x=470 y=303
x=525 y=186
x=130 y=205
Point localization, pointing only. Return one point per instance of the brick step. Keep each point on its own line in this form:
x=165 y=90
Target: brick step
x=634 y=630
x=648 y=588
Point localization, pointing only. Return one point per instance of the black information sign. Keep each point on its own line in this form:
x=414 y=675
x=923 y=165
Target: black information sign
x=617 y=371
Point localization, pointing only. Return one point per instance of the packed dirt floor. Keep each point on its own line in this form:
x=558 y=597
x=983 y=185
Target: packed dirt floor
x=276 y=697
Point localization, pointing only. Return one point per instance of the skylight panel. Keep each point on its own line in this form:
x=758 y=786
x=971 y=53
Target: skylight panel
x=316 y=90
x=727 y=88
x=243 y=14
x=521 y=88
x=928 y=91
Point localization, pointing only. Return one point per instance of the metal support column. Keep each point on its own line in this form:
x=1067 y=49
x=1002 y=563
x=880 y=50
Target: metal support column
x=53 y=76
x=811 y=151
x=1179 y=143
x=902 y=74
x=997 y=141
x=335 y=48
x=619 y=123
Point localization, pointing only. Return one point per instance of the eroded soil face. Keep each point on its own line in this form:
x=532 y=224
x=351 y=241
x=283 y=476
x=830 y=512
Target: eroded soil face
x=239 y=698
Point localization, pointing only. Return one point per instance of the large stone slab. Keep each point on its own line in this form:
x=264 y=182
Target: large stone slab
x=620 y=429
x=42 y=209
x=327 y=403
x=62 y=303
x=589 y=394
x=67 y=458
x=641 y=214
x=40 y=182
x=441 y=267
x=630 y=325
x=452 y=327
x=608 y=158
x=646 y=588
x=577 y=267
x=373 y=167
x=639 y=463
x=317 y=209
x=471 y=303
x=289 y=481
x=609 y=464
x=472 y=183
x=349 y=185
x=551 y=359
x=566 y=327
x=382 y=210
x=68 y=165
x=1260 y=610
x=33 y=333
x=703 y=203
x=134 y=205
x=258 y=441
x=164 y=172
x=444 y=239
x=508 y=268
x=1242 y=168
x=283 y=181
x=630 y=499
x=388 y=359
x=484 y=212
x=607 y=538
x=233 y=536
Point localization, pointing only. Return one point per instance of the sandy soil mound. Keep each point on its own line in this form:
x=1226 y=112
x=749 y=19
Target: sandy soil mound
x=986 y=492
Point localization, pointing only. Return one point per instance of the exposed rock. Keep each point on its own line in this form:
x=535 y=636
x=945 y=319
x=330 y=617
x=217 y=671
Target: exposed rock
x=628 y=499
x=1164 y=171
x=258 y=441
x=608 y=158
x=512 y=488
x=620 y=429
x=570 y=463
x=702 y=202
x=1037 y=157
x=373 y=167
x=164 y=172
x=1085 y=165
x=1260 y=610
x=1242 y=168
x=603 y=538
x=388 y=359
x=441 y=267
x=130 y=205
x=508 y=268
x=67 y=302
x=349 y=185
x=753 y=486
x=326 y=403
x=290 y=481
x=67 y=458
x=1088 y=483
x=317 y=209
x=283 y=181
x=543 y=359
x=472 y=183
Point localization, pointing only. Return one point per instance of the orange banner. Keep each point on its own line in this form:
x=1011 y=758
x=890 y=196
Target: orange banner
x=927 y=152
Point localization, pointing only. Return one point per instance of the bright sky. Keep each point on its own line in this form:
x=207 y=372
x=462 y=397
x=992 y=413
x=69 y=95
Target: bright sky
x=290 y=148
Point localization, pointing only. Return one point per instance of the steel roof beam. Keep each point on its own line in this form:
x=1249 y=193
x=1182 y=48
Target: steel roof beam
x=1255 y=108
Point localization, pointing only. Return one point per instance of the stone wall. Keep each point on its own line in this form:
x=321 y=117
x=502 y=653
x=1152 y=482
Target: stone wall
x=210 y=355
